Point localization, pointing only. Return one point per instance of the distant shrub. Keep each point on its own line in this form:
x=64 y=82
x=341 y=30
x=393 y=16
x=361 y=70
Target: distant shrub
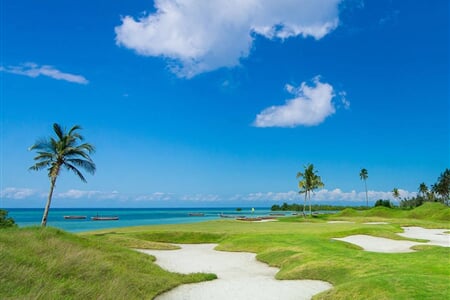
x=6 y=221
x=385 y=203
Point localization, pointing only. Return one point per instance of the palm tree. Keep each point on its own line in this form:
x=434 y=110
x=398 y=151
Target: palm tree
x=309 y=183
x=396 y=194
x=442 y=186
x=364 y=175
x=64 y=151
x=423 y=189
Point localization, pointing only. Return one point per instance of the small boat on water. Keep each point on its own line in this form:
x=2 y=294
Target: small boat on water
x=277 y=214
x=111 y=218
x=196 y=214
x=75 y=217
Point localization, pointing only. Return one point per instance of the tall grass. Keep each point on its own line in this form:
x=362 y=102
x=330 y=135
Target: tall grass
x=50 y=264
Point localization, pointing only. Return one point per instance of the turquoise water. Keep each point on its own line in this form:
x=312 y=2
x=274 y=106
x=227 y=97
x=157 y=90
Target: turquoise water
x=127 y=216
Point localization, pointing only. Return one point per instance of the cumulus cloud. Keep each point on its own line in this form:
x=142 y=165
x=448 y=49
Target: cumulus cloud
x=321 y=195
x=77 y=194
x=156 y=196
x=200 y=36
x=256 y=198
x=310 y=106
x=17 y=193
x=34 y=70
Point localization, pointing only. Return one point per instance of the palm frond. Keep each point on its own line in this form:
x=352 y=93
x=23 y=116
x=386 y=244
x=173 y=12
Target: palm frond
x=40 y=144
x=40 y=165
x=87 y=165
x=76 y=171
x=59 y=131
x=64 y=149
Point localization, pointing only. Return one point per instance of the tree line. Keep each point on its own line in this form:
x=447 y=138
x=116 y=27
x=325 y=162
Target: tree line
x=437 y=192
x=309 y=180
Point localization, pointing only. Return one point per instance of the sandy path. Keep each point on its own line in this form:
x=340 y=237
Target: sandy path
x=240 y=276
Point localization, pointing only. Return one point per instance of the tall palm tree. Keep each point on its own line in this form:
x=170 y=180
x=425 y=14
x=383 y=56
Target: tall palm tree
x=423 y=189
x=442 y=186
x=396 y=194
x=310 y=181
x=364 y=175
x=64 y=151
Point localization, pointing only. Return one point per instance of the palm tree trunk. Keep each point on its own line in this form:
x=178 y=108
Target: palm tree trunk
x=304 y=204
x=309 y=198
x=49 y=200
x=367 y=197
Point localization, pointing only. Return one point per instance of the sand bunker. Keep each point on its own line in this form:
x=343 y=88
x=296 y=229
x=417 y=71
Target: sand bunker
x=376 y=244
x=240 y=276
x=376 y=223
x=340 y=222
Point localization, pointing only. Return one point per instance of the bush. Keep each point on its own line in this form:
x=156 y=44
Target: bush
x=5 y=221
x=385 y=203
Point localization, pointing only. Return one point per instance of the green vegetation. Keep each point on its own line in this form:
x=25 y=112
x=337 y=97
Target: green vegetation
x=385 y=203
x=363 y=174
x=62 y=152
x=315 y=207
x=6 y=221
x=438 y=192
x=48 y=263
x=45 y=263
x=308 y=183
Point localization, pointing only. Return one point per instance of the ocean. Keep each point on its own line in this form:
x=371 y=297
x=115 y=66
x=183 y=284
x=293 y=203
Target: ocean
x=127 y=216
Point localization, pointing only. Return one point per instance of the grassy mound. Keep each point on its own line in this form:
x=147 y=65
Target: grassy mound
x=348 y=212
x=431 y=211
x=48 y=263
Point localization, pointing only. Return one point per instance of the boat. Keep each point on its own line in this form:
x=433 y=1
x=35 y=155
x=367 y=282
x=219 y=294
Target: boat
x=111 y=218
x=75 y=217
x=196 y=214
x=277 y=214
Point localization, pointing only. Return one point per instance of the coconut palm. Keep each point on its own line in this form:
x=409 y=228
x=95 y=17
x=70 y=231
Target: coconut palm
x=310 y=181
x=423 y=190
x=364 y=175
x=396 y=194
x=64 y=151
x=442 y=186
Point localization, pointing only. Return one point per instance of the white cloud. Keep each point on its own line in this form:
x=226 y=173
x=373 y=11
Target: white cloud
x=322 y=195
x=77 y=194
x=17 y=193
x=311 y=106
x=201 y=36
x=34 y=70
x=156 y=196
x=264 y=198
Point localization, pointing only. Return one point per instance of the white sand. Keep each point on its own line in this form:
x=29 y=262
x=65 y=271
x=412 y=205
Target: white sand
x=340 y=222
x=436 y=237
x=376 y=244
x=376 y=223
x=240 y=276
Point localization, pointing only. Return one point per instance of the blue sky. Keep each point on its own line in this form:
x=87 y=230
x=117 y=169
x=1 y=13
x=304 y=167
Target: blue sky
x=220 y=103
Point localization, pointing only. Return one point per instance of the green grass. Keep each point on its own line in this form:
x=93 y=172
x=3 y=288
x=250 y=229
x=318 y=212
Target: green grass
x=99 y=265
x=47 y=263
